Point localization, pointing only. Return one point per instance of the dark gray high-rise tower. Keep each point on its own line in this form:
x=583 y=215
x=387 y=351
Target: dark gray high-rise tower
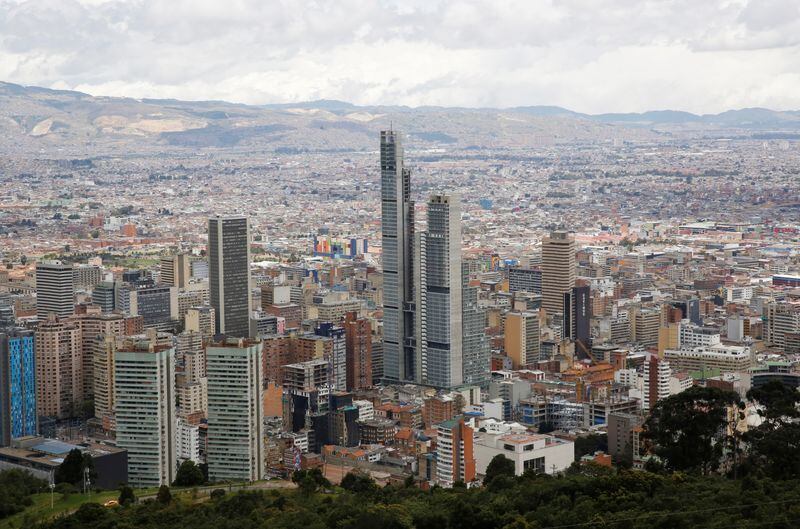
x=229 y=274
x=397 y=233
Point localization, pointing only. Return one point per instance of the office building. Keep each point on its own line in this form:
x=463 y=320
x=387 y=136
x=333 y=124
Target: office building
x=59 y=368
x=104 y=296
x=86 y=276
x=439 y=296
x=55 y=289
x=474 y=342
x=522 y=338
x=621 y=430
x=158 y=307
x=400 y=362
x=726 y=358
x=235 y=411
x=558 y=270
x=201 y=320
x=577 y=316
x=175 y=270
x=17 y=386
x=780 y=319
x=144 y=381
x=524 y=280
x=229 y=274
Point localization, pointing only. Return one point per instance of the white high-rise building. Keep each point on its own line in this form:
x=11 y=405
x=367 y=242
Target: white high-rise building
x=656 y=381
x=236 y=449
x=144 y=386
x=188 y=442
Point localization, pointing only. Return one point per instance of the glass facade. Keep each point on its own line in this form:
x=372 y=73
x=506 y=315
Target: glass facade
x=18 y=380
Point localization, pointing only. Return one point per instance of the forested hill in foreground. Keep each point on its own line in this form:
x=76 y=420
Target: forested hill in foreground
x=595 y=497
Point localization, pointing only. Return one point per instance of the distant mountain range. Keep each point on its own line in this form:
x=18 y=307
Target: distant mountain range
x=34 y=119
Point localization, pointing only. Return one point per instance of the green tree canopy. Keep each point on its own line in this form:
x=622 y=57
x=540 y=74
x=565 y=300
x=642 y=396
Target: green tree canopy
x=189 y=475
x=126 y=496
x=71 y=470
x=687 y=430
x=500 y=465
x=779 y=401
x=358 y=482
x=164 y=496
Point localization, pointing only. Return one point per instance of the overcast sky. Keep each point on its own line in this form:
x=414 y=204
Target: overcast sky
x=587 y=55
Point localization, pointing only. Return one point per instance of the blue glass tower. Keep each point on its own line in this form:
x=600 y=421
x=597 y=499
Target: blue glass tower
x=17 y=386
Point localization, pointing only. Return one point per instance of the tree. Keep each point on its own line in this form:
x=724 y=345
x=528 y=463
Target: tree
x=16 y=488
x=189 y=475
x=589 y=444
x=773 y=448
x=774 y=452
x=687 y=430
x=126 y=496
x=779 y=401
x=164 y=495
x=358 y=482
x=310 y=481
x=500 y=465
x=71 y=470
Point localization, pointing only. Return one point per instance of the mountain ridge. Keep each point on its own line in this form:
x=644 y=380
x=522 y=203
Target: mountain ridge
x=36 y=119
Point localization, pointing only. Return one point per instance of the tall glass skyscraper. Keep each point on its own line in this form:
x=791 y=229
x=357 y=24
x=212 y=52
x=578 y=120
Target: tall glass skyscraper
x=440 y=305
x=17 y=386
x=397 y=233
x=229 y=274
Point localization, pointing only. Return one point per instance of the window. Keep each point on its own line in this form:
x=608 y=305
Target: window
x=536 y=464
x=528 y=448
x=510 y=448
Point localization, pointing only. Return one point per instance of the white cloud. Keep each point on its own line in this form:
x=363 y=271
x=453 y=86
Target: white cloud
x=587 y=55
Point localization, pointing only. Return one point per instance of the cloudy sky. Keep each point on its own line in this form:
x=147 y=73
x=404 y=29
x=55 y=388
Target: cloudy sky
x=586 y=55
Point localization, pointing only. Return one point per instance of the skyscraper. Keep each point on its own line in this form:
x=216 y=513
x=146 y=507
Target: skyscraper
x=397 y=233
x=144 y=380
x=229 y=274
x=17 y=386
x=55 y=290
x=235 y=411
x=439 y=294
x=558 y=270
x=474 y=342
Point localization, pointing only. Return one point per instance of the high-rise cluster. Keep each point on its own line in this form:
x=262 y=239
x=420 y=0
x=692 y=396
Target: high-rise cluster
x=433 y=327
